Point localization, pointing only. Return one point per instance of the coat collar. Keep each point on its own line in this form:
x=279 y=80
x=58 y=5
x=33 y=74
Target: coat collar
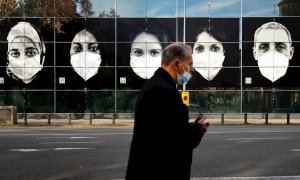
x=165 y=75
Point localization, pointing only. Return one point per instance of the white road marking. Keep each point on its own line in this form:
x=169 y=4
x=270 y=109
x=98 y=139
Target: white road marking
x=49 y=149
x=82 y=137
x=254 y=131
x=238 y=139
x=80 y=142
x=61 y=149
x=66 y=137
x=295 y=150
x=25 y=150
x=49 y=134
x=245 y=178
x=250 y=178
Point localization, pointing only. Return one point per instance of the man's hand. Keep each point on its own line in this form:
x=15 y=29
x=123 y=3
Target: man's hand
x=203 y=121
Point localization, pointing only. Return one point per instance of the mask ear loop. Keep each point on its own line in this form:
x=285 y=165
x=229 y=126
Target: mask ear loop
x=177 y=65
x=8 y=72
x=43 y=53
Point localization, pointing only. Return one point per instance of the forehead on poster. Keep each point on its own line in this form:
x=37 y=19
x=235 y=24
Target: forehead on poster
x=163 y=28
x=84 y=41
x=94 y=26
x=214 y=31
x=160 y=34
x=83 y=34
x=273 y=26
x=26 y=30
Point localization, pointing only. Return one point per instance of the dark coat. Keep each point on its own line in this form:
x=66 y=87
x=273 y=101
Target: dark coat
x=163 y=139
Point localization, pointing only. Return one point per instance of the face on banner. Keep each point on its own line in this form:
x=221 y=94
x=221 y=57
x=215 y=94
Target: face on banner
x=145 y=55
x=272 y=50
x=25 y=52
x=85 y=54
x=208 y=55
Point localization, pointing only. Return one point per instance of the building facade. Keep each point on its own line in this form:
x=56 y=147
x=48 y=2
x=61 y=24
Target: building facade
x=94 y=56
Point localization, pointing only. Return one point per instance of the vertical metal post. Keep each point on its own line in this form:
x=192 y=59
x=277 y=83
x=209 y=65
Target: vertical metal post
x=25 y=118
x=114 y=118
x=49 y=118
x=267 y=118
x=25 y=106
x=245 y=118
x=222 y=118
x=177 y=20
x=184 y=17
x=288 y=118
x=69 y=119
x=116 y=72
x=91 y=119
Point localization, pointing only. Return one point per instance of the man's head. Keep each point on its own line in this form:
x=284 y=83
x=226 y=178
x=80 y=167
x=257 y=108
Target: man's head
x=273 y=49
x=177 y=60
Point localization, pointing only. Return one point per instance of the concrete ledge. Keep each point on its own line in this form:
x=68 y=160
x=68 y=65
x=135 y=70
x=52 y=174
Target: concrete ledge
x=8 y=113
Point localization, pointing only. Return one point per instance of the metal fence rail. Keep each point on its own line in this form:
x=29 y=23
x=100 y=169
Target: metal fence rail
x=119 y=118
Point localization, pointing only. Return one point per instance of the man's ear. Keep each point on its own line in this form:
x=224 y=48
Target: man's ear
x=254 y=53
x=176 y=64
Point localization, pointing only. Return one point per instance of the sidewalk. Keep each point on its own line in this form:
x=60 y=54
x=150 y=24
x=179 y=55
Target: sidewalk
x=73 y=123
x=128 y=123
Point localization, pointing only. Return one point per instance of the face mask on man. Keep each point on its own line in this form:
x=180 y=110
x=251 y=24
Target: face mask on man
x=86 y=64
x=145 y=68
x=183 y=78
x=208 y=64
x=273 y=65
x=24 y=69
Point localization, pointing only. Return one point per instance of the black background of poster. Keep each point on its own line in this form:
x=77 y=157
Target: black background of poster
x=250 y=67
x=128 y=28
x=43 y=80
x=250 y=24
x=227 y=78
x=102 y=28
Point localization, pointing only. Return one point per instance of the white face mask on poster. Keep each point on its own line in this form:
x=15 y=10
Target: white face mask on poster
x=273 y=65
x=86 y=64
x=208 y=64
x=24 y=69
x=145 y=66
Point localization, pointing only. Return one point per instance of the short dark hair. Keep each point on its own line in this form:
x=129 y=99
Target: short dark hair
x=173 y=51
x=218 y=34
